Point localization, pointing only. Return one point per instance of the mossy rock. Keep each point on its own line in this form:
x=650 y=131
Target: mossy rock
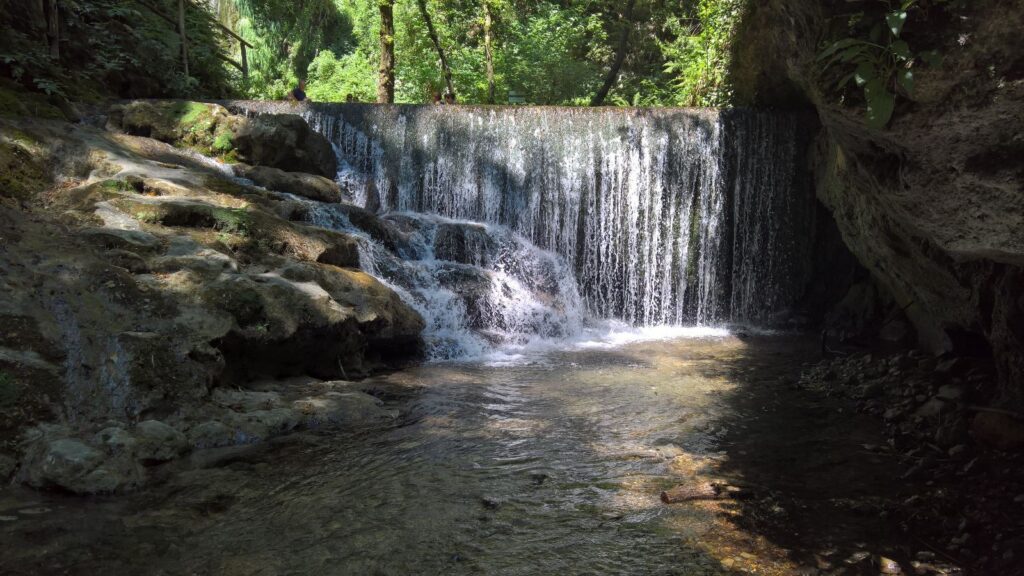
x=205 y=128
x=17 y=102
x=23 y=170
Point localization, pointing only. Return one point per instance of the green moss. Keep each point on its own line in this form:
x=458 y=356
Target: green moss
x=15 y=102
x=114 y=185
x=22 y=173
x=233 y=220
x=223 y=142
x=189 y=112
x=148 y=217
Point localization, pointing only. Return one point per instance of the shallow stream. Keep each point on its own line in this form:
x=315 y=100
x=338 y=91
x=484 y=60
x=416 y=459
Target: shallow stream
x=548 y=463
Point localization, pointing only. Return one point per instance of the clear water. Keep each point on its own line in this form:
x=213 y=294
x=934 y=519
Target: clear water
x=550 y=464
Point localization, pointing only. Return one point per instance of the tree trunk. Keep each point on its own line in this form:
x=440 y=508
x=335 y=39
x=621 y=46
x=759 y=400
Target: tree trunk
x=53 y=29
x=386 y=73
x=437 y=46
x=620 y=55
x=181 y=33
x=488 y=53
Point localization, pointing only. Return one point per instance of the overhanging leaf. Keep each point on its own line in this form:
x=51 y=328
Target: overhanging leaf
x=901 y=49
x=865 y=73
x=881 y=103
x=844 y=43
x=896 y=20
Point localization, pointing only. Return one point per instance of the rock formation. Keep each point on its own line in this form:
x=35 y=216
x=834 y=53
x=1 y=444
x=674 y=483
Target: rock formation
x=138 y=280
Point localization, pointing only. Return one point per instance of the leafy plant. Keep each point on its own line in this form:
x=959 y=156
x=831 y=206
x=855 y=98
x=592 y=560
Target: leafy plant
x=882 y=64
x=700 y=55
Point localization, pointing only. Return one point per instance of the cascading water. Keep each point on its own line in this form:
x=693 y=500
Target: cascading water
x=476 y=286
x=657 y=216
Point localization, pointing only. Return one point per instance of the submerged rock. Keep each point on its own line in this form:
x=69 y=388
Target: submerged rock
x=341 y=408
x=73 y=465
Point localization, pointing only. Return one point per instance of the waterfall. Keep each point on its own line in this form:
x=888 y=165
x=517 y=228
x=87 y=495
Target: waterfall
x=659 y=216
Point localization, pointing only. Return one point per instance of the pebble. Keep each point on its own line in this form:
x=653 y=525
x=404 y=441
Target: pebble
x=888 y=566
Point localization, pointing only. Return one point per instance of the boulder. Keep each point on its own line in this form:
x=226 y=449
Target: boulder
x=115 y=440
x=463 y=243
x=159 y=442
x=299 y=183
x=284 y=141
x=75 y=466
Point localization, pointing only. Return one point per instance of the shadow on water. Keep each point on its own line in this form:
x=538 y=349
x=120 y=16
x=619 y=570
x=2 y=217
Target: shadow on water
x=814 y=484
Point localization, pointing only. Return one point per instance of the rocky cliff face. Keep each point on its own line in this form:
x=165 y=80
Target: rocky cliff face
x=933 y=205
x=139 y=279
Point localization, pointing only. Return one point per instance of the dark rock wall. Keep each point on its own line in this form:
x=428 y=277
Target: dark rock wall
x=933 y=206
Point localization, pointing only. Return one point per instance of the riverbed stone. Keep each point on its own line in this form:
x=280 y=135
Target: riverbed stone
x=261 y=425
x=61 y=462
x=158 y=441
x=341 y=408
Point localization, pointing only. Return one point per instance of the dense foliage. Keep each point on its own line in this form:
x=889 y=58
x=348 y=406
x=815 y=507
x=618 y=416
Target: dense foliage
x=97 y=48
x=645 y=52
x=546 y=52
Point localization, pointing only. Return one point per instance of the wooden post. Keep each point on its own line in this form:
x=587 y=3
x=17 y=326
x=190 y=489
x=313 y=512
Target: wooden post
x=181 y=34
x=245 y=62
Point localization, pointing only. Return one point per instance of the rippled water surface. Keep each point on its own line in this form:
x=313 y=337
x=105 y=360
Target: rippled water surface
x=549 y=465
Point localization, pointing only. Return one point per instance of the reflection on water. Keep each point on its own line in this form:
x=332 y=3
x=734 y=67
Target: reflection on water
x=551 y=465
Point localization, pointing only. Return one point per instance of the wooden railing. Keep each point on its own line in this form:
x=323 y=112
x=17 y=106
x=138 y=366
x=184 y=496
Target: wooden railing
x=179 y=26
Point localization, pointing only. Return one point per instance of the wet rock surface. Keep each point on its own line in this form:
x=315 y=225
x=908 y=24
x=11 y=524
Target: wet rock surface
x=302 y=184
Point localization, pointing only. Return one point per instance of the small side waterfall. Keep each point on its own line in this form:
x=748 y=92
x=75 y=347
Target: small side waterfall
x=658 y=216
